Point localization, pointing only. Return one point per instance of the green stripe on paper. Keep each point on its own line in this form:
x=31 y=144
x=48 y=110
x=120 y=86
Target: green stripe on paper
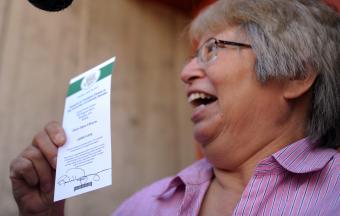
x=105 y=71
x=76 y=86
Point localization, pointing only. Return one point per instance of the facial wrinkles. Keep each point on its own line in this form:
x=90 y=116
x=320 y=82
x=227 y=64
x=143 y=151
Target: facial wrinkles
x=236 y=123
x=227 y=113
x=218 y=131
x=223 y=123
x=242 y=147
x=212 y=73
x=219 y=116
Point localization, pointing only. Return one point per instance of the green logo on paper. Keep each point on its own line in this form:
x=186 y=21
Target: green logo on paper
x=90 y=79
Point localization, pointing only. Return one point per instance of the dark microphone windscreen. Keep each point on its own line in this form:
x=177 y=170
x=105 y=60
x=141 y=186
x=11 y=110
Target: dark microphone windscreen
x=51 y=5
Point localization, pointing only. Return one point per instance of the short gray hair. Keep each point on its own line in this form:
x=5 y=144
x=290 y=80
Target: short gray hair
x=287 y=37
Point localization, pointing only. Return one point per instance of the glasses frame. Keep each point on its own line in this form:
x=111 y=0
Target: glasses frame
x=217 y=44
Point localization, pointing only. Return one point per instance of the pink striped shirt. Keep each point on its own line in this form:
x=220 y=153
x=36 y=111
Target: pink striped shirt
x=300 y=179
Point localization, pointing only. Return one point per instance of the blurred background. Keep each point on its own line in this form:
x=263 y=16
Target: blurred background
x=151 y=130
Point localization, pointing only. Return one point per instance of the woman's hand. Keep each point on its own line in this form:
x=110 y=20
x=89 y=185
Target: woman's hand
x=32 y=173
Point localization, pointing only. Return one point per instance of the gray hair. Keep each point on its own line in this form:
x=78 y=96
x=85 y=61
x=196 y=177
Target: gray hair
x=289 y=37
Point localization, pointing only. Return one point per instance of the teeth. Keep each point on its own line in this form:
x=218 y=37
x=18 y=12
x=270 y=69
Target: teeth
x=195 y=96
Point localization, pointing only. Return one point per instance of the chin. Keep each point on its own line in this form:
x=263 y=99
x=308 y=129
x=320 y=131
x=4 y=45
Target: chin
x=206 y=132
x=202 y=140
x=203 y=137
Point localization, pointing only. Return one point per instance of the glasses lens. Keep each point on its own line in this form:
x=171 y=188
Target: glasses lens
x=208 y=51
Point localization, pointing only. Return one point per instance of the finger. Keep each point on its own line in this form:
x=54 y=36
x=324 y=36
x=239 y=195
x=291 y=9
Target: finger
x=41 y=166
x=22 y=168
x=45 y=145
x=56 y=133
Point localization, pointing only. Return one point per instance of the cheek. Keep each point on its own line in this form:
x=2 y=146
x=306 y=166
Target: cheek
x=236 y=96
x=242 y=105
x=250 y=111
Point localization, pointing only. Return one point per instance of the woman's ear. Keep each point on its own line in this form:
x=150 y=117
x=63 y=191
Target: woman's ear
x=295 y=88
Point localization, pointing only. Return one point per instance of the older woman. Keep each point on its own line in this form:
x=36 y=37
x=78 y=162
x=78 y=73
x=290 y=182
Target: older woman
x=265 y=91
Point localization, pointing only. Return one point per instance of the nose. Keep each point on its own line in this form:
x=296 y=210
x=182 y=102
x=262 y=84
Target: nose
x=191 y=71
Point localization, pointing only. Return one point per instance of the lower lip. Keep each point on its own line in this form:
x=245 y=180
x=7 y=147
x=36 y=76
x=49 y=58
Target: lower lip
x=199 y=112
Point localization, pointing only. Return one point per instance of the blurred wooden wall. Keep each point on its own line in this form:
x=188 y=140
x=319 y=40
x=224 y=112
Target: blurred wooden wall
x=40 y=52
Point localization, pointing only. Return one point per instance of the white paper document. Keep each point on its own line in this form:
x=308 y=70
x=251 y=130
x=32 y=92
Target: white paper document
x=84 y=162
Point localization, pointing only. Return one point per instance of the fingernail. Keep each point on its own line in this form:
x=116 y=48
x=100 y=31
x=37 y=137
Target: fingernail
x=59 y=138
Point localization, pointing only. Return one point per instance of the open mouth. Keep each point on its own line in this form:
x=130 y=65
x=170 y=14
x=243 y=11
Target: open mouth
x=199 y=98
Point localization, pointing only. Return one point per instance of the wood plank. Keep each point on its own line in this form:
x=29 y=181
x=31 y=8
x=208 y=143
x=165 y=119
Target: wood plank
x=335 y=3
x=4 y=8
x=39 y=56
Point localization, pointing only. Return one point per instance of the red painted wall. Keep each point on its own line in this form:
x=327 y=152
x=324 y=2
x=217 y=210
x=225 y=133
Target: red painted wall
x=335 y=3
x=204 y=3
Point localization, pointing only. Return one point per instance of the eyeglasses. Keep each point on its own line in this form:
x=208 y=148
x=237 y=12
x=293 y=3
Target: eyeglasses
x=207 y=53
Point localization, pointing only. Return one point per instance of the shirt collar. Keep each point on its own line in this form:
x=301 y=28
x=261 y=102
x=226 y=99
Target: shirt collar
x=196 y=174
x=304 y=156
